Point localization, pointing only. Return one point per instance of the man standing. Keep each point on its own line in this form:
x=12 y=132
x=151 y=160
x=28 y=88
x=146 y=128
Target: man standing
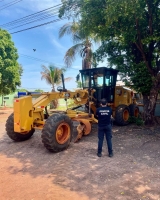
x=104 y=114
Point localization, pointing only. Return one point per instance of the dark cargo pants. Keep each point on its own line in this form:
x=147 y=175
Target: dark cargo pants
x=107 y=131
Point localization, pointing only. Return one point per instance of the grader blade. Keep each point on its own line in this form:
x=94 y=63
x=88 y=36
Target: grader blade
x=87 y=125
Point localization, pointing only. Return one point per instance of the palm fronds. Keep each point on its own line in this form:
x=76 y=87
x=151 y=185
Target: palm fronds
x=52 y=75
x=80 y=39
x=68 y=28
x=71 y=54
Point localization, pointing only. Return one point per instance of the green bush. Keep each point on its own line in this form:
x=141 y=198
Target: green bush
x=137 y=120
x=70 y=103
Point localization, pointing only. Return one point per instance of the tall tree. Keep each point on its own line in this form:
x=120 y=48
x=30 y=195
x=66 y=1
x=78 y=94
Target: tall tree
x=82 y=45
x=132 y=71
x=10 y=70
x=133 y=27
x=52 y=75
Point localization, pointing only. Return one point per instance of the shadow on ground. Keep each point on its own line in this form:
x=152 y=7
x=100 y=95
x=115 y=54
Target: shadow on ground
x=133 y=172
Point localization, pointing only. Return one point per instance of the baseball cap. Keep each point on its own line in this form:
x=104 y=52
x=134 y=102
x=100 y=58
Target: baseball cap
x=103 y=102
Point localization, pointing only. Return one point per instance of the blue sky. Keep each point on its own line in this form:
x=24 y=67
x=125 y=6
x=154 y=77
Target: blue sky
x=44 y=39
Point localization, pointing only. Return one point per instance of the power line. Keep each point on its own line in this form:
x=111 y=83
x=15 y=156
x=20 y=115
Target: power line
x=33 y=58
x=56 y=20
x=40 y=60
x=38 y=16
x=32 y=16
x=47 y=13
x=43 y=18
x=32 y=20
x=10 y=4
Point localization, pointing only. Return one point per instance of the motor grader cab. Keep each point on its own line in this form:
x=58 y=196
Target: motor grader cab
x=57 y=129
x=102 y=80
x=121 y=99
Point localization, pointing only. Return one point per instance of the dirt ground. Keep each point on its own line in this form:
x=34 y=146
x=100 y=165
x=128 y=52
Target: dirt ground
x=30 y=172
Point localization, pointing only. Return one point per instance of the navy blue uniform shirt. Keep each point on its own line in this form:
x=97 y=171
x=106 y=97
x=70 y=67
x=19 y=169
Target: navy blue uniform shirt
x=104 y=116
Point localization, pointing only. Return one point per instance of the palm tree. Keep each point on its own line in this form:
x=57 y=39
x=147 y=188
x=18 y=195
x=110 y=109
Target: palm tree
x=82 y=44
x=52 y=75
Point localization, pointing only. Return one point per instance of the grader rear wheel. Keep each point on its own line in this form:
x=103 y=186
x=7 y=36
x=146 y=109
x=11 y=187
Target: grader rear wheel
x=134 y=110
x=57 y=132
x=14 y=135
x=122 y=115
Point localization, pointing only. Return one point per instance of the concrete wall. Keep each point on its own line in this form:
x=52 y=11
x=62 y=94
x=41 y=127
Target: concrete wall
x=7 y=100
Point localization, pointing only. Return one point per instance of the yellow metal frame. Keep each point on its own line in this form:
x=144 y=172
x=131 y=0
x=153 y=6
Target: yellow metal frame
x=28 y=114
x=23 y=114
x=123 y=95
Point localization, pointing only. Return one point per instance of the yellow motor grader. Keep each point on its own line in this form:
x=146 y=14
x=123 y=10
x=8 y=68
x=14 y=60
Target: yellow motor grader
x=57 y=129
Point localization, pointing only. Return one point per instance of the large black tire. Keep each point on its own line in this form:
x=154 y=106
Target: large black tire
x=14 y=135
x=122 y=115
x=134 y=110
x=57 y=132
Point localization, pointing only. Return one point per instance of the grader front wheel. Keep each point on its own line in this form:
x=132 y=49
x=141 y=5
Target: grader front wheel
x=57 y=132
x=122 y=115
x=63 y=133
x=14 y=135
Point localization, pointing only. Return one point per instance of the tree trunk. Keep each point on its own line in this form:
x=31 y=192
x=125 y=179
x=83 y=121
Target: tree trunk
x=150 y=104
x=2 y=101
x=54 y=103
x=86 y=62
